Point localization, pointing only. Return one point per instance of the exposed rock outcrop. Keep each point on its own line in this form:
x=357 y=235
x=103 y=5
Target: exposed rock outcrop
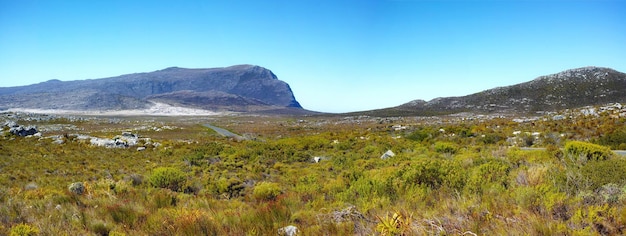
x=20 y=130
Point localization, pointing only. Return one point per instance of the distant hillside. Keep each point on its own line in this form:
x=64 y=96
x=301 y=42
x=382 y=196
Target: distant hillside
x=235 y=88
x=568 y=89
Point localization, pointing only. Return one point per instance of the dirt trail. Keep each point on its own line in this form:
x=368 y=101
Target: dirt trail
x=224 y=132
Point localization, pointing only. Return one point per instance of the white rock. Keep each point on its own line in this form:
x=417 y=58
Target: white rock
x=387 y=154
x=289 y=230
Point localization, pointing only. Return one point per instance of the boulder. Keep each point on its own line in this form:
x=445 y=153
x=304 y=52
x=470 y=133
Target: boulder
x=11 y=124
x=289 y=230
x=126 y=139
x=77 y=188
x=387 y=155
x=23 y=131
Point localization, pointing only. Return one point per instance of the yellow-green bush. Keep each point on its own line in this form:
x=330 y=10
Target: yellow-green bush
x=23 y=230
x=587 y=151
x=492 y=174
x=600 y=173
x=266 y=191
x=167 y=177
x=434 y=173
x=446 y=147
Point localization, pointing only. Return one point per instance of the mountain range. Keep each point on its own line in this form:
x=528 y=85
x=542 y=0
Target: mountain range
x=237 y=88
x=249 y=88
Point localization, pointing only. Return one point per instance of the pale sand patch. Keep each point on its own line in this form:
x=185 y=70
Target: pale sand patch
x=157 y=109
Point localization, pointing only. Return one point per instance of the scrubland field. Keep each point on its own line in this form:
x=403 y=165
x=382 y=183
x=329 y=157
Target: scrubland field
x=454 y=175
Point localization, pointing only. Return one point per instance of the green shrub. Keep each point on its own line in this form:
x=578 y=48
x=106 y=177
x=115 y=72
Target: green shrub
x=420 y=135
x=266 y=191
x=491 y=138
x=587 y=151
x=616 y=139
x=367 y=189
x=123 y=214
x=163 y=198
x=445 y=147
x=230 y=187
x=493 y=173
x=23 y=230
x=115 y=233
x=167 y=177
x=600 y=173
x=101 y=228
x=435 y=173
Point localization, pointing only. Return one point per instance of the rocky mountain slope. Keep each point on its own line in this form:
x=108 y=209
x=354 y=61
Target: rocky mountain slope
x=235 y=88
x=568 y=89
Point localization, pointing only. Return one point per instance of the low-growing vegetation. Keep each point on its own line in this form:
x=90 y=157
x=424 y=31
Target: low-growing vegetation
x=323 y=175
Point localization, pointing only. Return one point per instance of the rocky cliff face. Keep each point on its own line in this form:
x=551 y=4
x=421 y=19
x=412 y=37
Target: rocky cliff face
x=236 y=88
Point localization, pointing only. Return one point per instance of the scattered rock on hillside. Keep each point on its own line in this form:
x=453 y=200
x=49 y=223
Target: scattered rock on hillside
x=127 y=139
x=349 y=214
x=10 y=124
x=289 y=230
x=77 y=188
x=23 y=131
x=387 y=155
x=318 y=159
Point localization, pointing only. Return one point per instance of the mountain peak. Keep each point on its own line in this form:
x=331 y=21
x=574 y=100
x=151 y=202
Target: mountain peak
x=589 y=72
x=241 y=67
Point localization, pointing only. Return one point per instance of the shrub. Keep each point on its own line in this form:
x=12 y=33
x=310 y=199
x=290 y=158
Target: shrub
x=420 y=135
x=163 y=198
x=136 y=179
x=615 y=139
x=23 y=230
x=601 y=173
x=493 y=173
x=167 y=177
x=435 y=173
x=491 y=138
x=587 y=151
x=101 y=228
x=367 y=189
x=115 y=233
x=123 y=214
x=266 y=191
x=445 y=147
x=231 y=187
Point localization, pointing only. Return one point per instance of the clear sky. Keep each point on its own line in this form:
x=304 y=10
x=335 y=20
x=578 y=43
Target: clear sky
x=338 y=56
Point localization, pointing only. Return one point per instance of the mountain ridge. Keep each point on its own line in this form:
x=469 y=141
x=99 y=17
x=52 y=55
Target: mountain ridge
x=570 y=88
x=254 y=86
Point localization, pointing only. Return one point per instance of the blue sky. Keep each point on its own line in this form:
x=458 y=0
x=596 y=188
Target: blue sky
x=338 y=56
